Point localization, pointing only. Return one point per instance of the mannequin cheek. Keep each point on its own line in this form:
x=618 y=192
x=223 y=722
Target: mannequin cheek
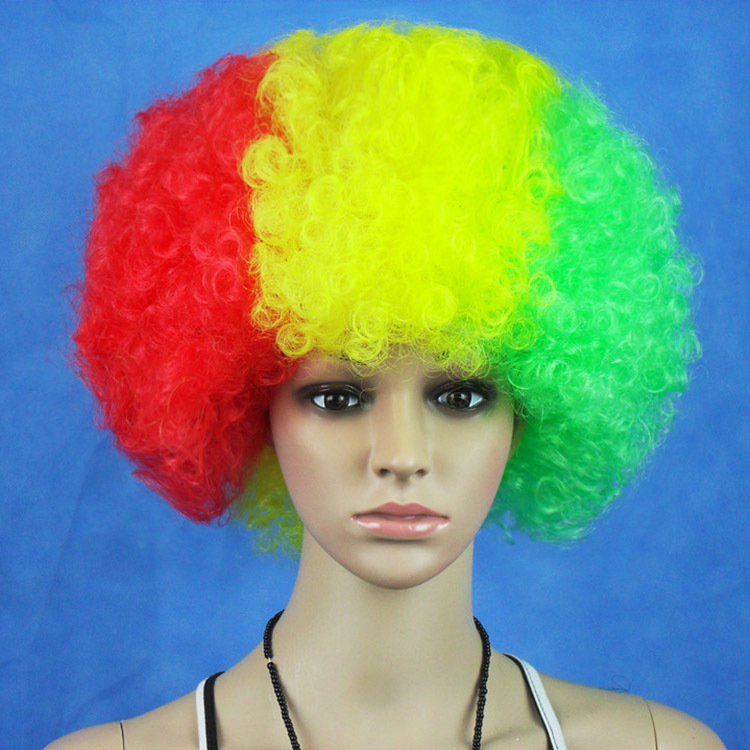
x=490 y=473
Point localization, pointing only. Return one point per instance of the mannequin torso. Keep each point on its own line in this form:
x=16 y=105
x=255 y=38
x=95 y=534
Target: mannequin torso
x=248 y=719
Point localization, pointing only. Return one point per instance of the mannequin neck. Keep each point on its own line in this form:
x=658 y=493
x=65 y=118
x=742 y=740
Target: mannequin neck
x=381 y=640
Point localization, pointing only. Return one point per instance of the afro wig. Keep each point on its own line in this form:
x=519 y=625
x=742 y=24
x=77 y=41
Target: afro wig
x=382 y=186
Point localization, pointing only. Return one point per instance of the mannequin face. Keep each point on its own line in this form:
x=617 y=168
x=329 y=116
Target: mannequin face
x=393 y=473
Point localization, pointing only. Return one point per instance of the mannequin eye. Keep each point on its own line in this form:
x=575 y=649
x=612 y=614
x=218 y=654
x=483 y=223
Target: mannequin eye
x=342 y=398
x=469 y=396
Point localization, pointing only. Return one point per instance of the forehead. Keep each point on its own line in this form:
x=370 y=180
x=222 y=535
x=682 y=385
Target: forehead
x=405 y=364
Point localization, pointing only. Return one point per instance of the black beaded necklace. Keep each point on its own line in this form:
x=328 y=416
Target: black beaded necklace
x=484 y=673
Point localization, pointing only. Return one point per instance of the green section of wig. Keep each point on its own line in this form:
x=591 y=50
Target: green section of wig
x=431 y=188
x=598 y=385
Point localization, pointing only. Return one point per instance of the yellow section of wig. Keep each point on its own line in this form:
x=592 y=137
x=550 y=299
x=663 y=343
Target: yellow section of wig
x=401 y=198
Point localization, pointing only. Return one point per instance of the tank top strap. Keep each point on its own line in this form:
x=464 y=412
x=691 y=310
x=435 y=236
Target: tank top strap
x=543 y=705
x=205 y=711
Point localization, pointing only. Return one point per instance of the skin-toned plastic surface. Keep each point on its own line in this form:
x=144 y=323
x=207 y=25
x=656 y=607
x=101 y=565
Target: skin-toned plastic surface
x=396 y=439
x=377 y=646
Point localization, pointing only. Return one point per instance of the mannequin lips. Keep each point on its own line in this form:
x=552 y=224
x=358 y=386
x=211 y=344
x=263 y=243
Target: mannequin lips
x=397 y=521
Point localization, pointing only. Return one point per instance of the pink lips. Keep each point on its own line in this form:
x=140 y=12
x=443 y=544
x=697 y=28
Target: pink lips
x=397 y=521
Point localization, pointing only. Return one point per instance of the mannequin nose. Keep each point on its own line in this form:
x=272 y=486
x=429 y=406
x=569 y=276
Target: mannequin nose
x=400 y=440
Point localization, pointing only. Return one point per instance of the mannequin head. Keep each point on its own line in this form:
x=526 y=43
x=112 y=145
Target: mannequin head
x=377 y=190
x=350 y=442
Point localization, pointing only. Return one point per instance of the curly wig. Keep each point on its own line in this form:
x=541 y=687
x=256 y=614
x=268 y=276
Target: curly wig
x=377 y=187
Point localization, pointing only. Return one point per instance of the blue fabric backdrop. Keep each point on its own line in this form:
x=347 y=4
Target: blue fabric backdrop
x=112 y=604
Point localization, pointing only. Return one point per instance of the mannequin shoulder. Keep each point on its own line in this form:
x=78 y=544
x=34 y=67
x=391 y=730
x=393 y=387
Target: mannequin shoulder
x=591 y=717
x=169 y=727
x=102 y=737
x=675 y=729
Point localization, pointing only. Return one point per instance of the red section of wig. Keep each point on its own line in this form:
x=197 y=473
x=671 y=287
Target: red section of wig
x=164 y=338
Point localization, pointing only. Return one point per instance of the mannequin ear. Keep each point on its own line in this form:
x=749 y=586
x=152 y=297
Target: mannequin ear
x=519 y=425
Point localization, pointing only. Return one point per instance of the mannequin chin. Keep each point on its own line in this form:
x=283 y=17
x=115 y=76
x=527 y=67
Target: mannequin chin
x=392 y=473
